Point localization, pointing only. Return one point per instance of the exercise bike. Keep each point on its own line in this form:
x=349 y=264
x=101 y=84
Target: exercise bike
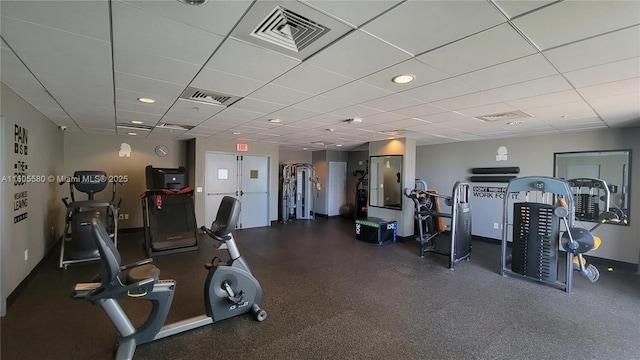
x=230 y=288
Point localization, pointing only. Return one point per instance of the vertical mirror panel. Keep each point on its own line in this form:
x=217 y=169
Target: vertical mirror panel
x=385 y=181
x=600 y=182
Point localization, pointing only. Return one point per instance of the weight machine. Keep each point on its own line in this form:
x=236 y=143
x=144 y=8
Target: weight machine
x=536 y=225
x=76 y=245
x=430 y=221
x=362 y=194
x=298 y=184
x=592 y=198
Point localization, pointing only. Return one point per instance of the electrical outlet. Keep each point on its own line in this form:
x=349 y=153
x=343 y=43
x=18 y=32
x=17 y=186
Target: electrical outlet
x=126 y=216
x=26 y=255
x=496 y=226
x=121 y=217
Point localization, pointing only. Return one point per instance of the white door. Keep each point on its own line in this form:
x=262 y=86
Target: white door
x=221 y=179
x=254 y=190
x=245 y=178
x=336 y=183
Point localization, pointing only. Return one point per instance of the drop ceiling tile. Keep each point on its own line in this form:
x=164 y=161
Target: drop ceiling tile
x=218 y=81
x=418 y=26
x=424 y=74
x=611 y=47
x=443 y=117
x=260 y=106
x=466 y=101
x=321 y=120
x=523 y=69
x=354 y=13
x=355 y=111
x=546 y=100
x=382 y=117
x=615 y=109
x=321 y=104
x=419 y=110
x=250 y=61
x=217 y=17
x=619 y=70
x=578 y=109
x=142 y=108
x=514 y=8
x=145 y=32
x=279 y=94
x=146 y=87
x=391 y=102
x=291 y=114
x=547 y=27
x=406 y=123
x=125 y=116
x=85 y=18
x=163 y=101
x=358 y=54
x=239 y=114
x=546 y=85
x=311 y=79
x=133 y=62
x=490 y=47
x=610 y=89
x=356 y=92
x=440 y=90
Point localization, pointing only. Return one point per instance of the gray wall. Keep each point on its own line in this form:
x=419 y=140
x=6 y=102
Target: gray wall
x=38 y=232
x=442 y=165
x=101 y=152
x=320 y=161
x=407 y=148
x=295 y=157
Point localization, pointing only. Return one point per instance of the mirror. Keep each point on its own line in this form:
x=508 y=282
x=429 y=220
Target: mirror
x=385 y=181
x=595 y=176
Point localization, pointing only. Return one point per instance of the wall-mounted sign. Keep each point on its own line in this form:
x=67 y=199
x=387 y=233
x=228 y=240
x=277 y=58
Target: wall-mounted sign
x=20 y=167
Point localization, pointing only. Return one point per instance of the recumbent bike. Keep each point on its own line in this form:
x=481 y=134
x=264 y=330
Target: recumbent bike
x=230 y=288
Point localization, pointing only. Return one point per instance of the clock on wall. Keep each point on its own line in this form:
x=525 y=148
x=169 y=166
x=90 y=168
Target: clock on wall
x=162 y=150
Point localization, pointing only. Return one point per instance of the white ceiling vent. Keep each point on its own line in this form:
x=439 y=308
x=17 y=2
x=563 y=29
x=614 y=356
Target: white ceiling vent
x=208 y=97
x=128 y=126
x=289 y=30
x=504 y=116
x=174 y=127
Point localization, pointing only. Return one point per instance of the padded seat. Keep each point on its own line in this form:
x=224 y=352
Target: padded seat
x=141 y=273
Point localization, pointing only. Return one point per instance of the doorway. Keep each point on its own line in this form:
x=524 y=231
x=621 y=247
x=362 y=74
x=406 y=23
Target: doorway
x=245 y=177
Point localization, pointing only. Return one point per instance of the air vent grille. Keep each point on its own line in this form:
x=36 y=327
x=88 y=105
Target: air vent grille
x=504 y=116
x=174 y=127
x=289 y=30
x=208 y=97
x=133 y=127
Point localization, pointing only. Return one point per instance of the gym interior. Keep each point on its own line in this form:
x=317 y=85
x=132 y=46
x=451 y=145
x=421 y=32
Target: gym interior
x=375 y=219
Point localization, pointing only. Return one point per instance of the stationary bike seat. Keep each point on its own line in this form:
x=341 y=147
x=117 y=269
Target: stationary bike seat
x=141 y=273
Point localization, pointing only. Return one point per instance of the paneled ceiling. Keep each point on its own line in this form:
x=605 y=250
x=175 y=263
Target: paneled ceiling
x=221 y=70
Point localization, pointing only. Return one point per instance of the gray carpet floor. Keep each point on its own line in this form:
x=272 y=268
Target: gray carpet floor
x=329 y=296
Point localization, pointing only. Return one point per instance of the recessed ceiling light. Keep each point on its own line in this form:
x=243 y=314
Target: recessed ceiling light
x=236 y=133
x=147 y=100
x=193 y=2
x=304 y=148
x=514 y=123
x=132 y=134
x=275 y=121
x=403 y=79
x=137 y=122
x=338 y=145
